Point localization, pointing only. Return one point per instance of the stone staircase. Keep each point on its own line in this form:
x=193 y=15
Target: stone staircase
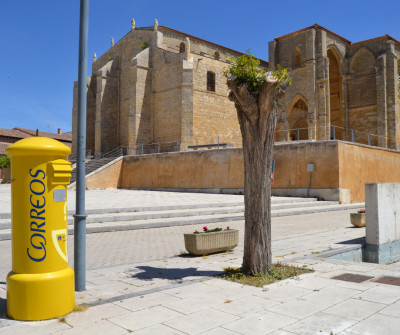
x=91 y=166
x=130 y=218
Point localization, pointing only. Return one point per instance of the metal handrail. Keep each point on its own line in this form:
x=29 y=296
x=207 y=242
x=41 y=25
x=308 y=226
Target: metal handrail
x=117 y=152
x=351 y=134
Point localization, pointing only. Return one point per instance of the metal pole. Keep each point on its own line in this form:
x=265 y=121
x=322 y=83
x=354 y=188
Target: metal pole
x=334 y=134
x=80 y=215
x=298 y=134
x=352 y=135
x=368 y=140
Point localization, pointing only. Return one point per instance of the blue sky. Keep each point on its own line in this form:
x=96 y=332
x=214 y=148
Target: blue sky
x=39 y=40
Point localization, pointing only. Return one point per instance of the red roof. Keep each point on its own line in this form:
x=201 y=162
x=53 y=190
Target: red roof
x=9 y=136
x=13 y=133
x=66 y=137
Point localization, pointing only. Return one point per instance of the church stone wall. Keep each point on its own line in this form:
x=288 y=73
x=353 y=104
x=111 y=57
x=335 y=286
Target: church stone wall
x=214 y=115
x=157 y=92
x=167 y=98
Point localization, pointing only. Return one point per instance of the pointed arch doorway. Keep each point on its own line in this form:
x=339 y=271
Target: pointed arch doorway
x=335 y=98
x=298 y=124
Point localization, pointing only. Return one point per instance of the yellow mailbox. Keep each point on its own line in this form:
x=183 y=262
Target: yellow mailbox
x=41 y=284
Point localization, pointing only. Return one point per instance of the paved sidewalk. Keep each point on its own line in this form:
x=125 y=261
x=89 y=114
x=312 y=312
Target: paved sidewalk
x=138 y=283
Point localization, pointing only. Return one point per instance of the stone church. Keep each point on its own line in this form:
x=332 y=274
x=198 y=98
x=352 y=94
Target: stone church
x=161 y=86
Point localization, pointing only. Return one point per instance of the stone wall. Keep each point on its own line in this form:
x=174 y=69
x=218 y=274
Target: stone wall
x=206 y=169
x=151 y=87
x=353 y=86
x=341 y=170
x=214 y=115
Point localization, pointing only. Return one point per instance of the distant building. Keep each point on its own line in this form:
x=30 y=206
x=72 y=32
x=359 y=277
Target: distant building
x=9 y=136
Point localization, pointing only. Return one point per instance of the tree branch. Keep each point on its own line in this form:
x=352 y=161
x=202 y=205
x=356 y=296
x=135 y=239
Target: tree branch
x=242 y=97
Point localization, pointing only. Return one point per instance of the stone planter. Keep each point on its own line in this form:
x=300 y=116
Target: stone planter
x=357 y=219
x=209 y=243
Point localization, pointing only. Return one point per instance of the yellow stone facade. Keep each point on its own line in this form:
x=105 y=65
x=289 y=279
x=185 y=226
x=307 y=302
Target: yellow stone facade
x=341 y=90
x=152 y=87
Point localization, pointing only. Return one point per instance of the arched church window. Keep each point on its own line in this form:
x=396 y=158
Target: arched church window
x=182 y=47
x=210 y=81
x=216 y=55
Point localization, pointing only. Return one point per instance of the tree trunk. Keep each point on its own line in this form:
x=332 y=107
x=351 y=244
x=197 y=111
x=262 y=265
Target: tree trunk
x=257 y=114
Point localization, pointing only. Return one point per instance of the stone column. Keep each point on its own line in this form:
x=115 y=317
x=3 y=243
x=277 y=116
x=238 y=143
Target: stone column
x=322 y=86
x=381 y=100
x=392 y=89
x=187 y=104
x=101 y=80
x=312 y=128
x=345 y=106
x=139 y=72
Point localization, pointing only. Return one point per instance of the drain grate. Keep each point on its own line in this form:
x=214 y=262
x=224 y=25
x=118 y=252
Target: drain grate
x=388 y=280
x=355 y=278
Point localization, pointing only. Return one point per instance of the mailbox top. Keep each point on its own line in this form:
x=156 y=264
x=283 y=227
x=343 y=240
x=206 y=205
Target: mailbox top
x=38 y=146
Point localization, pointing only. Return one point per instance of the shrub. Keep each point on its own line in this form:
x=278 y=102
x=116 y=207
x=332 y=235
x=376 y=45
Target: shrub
x=4 y=162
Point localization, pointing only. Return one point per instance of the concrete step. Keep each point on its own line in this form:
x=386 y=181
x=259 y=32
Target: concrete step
x=127 y=214
x=178 y=213
x=97 y=227
x=89 y=211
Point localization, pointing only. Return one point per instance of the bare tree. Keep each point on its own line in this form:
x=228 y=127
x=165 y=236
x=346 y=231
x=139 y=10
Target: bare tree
x=256 y=99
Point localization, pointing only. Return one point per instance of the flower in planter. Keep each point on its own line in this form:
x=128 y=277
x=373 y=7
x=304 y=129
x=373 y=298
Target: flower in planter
x=227 y=228
x=362 y=210
x=206 y=230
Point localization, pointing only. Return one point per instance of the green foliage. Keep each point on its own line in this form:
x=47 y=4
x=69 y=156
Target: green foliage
x=143 y=45
x=247 y=70
x=277 y=272
x=282 y=75
x=4 y=162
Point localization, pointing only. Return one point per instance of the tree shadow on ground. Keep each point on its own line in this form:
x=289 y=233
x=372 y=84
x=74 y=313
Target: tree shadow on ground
x=149 y=273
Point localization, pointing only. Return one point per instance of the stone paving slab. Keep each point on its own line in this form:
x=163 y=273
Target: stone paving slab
x=137 y=282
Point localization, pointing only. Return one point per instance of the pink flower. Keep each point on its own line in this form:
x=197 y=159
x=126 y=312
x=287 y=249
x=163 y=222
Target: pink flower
x=205 y=228
x=228 y=227
x=196 y=231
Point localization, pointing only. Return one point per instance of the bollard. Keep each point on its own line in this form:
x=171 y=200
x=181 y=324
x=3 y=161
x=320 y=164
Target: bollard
x=41 y=284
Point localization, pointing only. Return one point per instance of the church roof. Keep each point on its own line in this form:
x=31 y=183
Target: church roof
x=205 y=41
x=310 y=27
x=338 y=36
x=377 y=39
